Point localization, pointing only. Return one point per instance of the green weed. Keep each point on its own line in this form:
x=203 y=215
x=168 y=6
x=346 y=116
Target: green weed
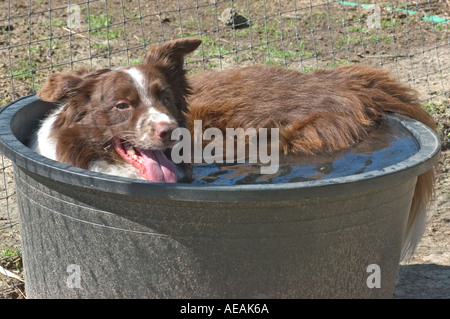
x=54 y=23
x=137 y=61
x=9 y=252
x=101 y=26
x=436 y=108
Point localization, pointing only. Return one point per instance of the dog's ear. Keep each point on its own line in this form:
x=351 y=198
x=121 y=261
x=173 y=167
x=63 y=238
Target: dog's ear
x=60 y=86
x=76 y=92
x=171 y=54
x=57 y=86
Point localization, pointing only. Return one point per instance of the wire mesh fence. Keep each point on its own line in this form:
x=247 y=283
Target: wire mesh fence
x=38 y=37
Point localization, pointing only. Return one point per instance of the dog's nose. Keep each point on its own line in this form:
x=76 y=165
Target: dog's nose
x=163 y=130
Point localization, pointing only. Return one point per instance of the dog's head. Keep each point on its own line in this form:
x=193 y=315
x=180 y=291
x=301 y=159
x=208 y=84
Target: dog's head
x=132 y=110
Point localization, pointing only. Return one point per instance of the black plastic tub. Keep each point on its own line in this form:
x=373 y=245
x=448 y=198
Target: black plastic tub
x=88 y=235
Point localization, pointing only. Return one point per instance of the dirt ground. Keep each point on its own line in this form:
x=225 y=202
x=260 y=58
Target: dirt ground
x=427 y=273
x=305 y=35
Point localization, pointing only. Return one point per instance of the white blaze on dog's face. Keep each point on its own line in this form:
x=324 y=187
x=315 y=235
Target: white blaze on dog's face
x=159 y=119
x=123 y=115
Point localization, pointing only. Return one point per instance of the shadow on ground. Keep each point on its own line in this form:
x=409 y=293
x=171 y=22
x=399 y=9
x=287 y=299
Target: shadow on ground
x=427 y=281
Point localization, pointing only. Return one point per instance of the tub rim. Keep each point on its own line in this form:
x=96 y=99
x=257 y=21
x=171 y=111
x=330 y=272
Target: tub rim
x=21 y=155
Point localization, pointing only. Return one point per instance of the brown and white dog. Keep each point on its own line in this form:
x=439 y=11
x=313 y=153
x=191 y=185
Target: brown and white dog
x=120 y=121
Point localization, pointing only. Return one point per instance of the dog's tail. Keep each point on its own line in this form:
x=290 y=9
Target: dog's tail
x=385 y=94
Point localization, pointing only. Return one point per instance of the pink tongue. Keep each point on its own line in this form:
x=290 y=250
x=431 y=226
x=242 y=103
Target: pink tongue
x=157 y=167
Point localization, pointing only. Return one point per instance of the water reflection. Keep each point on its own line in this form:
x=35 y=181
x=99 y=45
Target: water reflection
x=386 y=146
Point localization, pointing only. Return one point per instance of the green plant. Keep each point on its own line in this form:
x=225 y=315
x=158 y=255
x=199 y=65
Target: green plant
x=438 y=27
x=358 y=29
x=35 y=50
x=309 y=69
x=345 y=39
x=338 y=63
x=23 y=69
x=436 y=108
x=53 y=23
x=354 y=29
x=212 y=49
x=388 y=23
x=100 y=46
x=101 y=26
x=9 y=252
x=277 y=54
x=137 y=61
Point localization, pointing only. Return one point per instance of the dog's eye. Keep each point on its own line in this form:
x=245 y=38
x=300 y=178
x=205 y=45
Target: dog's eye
x=80 y=116
x=122 y=106
x=165 y=101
